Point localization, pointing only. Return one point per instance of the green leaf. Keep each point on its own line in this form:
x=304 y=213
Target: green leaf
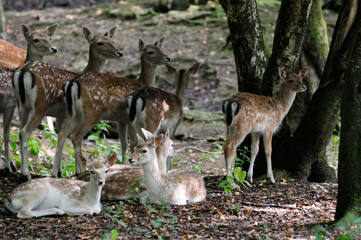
x=239 y=174
x=92 y=137
x=142 y=230
x=114 y=234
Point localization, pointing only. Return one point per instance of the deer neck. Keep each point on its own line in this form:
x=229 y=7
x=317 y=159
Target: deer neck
x=181 y=87
x=285 y=97
x=154 y=178
x=32 y=56
x=96 y=64
x=161 y=158
x=92 y=192
x=148 y=73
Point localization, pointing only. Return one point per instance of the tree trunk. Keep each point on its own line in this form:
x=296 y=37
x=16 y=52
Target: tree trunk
x=2 y=22
x=247 y=43
x=305 y=153
x=290 y=30
x=349 y=188
x=314 y=55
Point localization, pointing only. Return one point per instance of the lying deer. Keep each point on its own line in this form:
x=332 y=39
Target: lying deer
x=93 y=97
x=259 y=115
x=174 y=187
x=156 y=110
x=39 y=87
x=57 y=196
x=39 y=45
x=125 y=181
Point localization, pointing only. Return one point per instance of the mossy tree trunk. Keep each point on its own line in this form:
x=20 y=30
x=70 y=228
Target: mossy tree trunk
x=349 y=180
x=247 y=42
x=2 y=22
x=305 y=153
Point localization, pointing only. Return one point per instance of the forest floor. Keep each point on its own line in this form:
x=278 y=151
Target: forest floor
x=289 y=209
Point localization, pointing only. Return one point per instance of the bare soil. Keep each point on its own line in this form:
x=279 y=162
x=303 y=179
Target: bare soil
x=288 y=209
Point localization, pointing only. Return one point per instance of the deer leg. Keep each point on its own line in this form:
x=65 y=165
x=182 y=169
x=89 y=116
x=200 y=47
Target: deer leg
x=123 y=136
x=69 y=127
x=7 y=116
x=25 y=133
x=254 y=152
x=230 y=146
x=267 y=139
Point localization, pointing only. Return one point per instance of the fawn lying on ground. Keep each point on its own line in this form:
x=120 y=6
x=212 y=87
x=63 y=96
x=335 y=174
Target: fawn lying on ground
x=38 y=88
x=174 y=187
x=259 y=115
x=57 y=196
x=124 y=181
x=39 y=45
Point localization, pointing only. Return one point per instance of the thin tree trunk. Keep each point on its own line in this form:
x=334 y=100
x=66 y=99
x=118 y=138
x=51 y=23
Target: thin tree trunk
x=349 y=188
x=247 y=43
x=305 y=153
x=2 y=22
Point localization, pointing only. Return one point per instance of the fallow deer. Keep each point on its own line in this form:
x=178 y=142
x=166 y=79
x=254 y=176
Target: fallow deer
x=125 y=181
x=174 y=187
x=39 y=45
x=259 y=115
x=156 y=110
x=57 y=196
x=11 y=56
x=93 y=97
x=39 y=87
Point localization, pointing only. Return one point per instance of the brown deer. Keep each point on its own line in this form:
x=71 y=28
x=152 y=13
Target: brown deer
x=54 y=196
x=39 y=87
x=93 y=97
x=39 y=45
x=156 y=110
x=174 y=187
x=11 y=56
x=259 y=115
x=125 y=181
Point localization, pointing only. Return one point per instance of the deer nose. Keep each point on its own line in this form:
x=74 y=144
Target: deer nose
x=132 y=161
x=303 y=87
x=100 y=182
x=167 y=59
x=54 y=49
x=120 y=54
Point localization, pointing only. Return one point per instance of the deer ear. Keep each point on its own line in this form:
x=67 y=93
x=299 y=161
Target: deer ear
x=141 y=45
x=171 y=69
x=26 y=31
x=303 y=72
x=88 y=34
x=111 y=31
x=194 y=68
x=140 y=140
x=51 y=29
x=83 y=160
x=282 y=73
x=111 y=160
x=158 y=140
x=148 y=135
x=160 y=42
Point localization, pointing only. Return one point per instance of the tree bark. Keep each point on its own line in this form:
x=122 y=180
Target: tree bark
x=349 y=188
x=305 y=153
x=2 y=22
x=247 y=43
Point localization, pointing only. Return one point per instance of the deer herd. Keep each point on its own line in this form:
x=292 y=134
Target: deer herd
x=146 y=114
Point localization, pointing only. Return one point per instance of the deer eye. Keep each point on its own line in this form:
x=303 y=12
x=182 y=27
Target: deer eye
x=91 y=172
x=144 y=151
x=100 y=44
x=36 y=40
x=150 y=52
x=106 y=171
x=290 y=81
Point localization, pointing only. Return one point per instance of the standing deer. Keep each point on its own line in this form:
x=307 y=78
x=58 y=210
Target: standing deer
x=93 y=97
x=156 y=110
x=11 y=56
x=39 y=45
x=39 y=87
x=124 y=181
x=259 y=115
x=174 y=187
x=54 y=196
